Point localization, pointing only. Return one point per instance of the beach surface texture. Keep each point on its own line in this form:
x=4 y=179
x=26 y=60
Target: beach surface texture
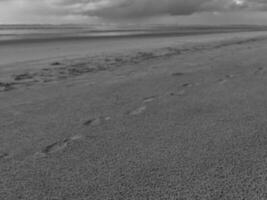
x=162 y=118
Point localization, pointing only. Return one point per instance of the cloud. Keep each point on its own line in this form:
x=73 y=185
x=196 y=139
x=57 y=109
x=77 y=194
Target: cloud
x=124 y=9
x=147 y=8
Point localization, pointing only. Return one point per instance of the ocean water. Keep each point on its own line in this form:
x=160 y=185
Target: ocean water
x=20 y=32
x=35 y=32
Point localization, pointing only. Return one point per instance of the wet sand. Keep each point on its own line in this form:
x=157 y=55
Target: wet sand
x=179 y=118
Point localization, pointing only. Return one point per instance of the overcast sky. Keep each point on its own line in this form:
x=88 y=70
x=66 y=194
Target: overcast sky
x=134 y=11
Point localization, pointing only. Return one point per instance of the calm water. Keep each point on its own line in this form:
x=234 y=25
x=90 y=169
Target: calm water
x=18 y=32
x=27 y=32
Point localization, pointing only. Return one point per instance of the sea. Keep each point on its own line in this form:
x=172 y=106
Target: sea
x=75 y=31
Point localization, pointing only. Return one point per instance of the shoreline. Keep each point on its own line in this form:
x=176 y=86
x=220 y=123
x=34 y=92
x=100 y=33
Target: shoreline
x=134 y=36
x=16 y=53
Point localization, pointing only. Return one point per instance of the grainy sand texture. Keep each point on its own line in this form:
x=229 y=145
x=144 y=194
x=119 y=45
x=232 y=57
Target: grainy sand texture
x=162 y=118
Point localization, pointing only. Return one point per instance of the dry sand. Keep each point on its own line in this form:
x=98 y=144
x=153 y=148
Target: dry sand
x=170 y=118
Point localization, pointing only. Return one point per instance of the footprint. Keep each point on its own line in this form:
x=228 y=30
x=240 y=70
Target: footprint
x=3 y=155
x=76 y=137
x=260 y=69
x=230 y=76
x=138 y=111
x=222 y=81
x=178 y=74
x=39 y=155
x=96 y=121
x=149 y=99
x=107 y=118
x=55 y=147
x=181 y=93
x=93 y=122
x=187 y=85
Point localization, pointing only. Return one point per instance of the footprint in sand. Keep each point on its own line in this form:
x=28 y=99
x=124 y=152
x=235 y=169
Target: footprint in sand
x=4 y=156
x=223 y=81
x=187 y=85
x=93 y=122
x=76 y=137
x=138 y=111
x=181 y=93
x=259 y=70
x=57 y=146
x=149 y=99
x=96 y=121
x=230 y=76
x=178 y=74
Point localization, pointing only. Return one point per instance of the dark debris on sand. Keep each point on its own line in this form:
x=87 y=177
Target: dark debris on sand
x=55 y=63
x=23 y=76
x=6 y=86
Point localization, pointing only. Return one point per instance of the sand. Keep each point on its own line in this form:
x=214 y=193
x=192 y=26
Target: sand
x=153 y=118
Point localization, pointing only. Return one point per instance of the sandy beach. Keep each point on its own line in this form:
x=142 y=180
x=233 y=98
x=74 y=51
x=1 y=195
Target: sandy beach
x=175 y=118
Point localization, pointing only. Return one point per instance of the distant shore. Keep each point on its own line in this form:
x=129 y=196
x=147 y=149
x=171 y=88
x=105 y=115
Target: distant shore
x=36 y=50
x=34 y=33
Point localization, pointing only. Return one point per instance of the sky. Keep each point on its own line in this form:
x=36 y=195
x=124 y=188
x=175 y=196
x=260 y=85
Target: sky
x=134 y=11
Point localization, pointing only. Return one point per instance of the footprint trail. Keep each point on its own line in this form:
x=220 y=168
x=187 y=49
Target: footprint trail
x=138 y=111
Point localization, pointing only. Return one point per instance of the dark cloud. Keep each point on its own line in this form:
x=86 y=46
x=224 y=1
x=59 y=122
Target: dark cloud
x=126 y=9
x=146 y=8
